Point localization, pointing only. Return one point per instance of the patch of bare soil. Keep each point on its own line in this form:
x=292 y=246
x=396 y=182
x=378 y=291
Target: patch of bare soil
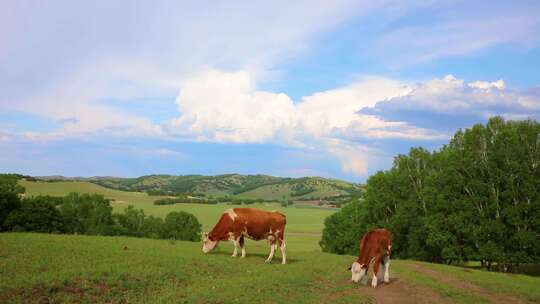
x=449 y=280
x=397 y=291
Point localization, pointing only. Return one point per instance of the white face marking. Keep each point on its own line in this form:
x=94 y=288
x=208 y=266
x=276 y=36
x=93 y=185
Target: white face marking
x=357 y=272
x=208 y=245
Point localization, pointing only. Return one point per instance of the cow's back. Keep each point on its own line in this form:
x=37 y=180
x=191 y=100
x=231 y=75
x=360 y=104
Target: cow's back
x=259 y=223
x=374 y=242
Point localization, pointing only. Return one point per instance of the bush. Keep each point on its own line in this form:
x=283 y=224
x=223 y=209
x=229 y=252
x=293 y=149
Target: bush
x=88 y=214
x=9 y=196
x=343 y=229
x=36 y=214
x=181 y=226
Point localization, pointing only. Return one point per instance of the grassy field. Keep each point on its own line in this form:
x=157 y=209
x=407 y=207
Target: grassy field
x=299 y=220
x=88 y=269
x=41 y=268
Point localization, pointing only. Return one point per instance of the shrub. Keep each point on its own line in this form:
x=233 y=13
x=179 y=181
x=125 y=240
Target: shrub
x=36 y=214
x=343 y=229
x=181 y=226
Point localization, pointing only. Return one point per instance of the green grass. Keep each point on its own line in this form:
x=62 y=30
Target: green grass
x=98 y=269
x=89 y=269
x=453 y=293
x=522 y=285
x=63 y=188
x=299 y=220
x=37 y=268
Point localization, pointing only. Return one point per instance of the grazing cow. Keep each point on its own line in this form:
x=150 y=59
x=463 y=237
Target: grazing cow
x=375 y=249
x=237 y=223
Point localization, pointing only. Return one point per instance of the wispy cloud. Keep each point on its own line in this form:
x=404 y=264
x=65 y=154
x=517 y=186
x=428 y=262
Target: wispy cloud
x=452 y=36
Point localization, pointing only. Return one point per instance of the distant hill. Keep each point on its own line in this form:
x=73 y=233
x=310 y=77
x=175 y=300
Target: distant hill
x=249 y=186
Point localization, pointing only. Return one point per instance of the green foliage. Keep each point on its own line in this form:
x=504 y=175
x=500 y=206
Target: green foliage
x=477 y=198
x=133 y=221
x=184 y=200
x=88 y=214
x=343 y=230
x=182 y=226
x=35 y=214
x=9 y=196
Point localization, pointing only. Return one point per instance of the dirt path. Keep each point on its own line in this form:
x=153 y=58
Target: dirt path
x=454 y=282
x=398 y=291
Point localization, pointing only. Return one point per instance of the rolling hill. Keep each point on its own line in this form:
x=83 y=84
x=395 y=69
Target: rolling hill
x=249 y=186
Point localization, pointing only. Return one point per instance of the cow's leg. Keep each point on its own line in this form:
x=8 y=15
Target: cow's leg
x=243 y=246
x=235 y=252
x=376 y=267
x=386 y=267
x=283 y=253
x=272 y=251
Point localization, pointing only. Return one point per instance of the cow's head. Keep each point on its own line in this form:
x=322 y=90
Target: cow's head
x=208 y=244
x=358 y=271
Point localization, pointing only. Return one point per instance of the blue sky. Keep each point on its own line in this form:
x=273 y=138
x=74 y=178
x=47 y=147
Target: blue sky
x=304 y=88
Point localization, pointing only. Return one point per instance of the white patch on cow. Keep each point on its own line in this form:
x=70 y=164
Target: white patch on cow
x=235 y=252
x=374 y=280
x=357 y=272
x=386 y=272
x=231 y=236
x=283 y=253
x=232 y=214
x=271 y=238
x=272 y=251
x=208 y=245
x=244 y=251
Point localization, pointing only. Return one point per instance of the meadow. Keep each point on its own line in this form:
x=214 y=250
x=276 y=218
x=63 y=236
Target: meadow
x=304 y=225
x=45 y=268
x=38 y=268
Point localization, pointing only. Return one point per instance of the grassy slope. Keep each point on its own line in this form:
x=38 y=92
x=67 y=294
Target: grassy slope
x=253 y=186
x=305 y=221
x=90 y=269
x=278 y=191
x=63 y=188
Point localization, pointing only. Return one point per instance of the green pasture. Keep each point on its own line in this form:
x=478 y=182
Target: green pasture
x=299 y=220
x=37 y=268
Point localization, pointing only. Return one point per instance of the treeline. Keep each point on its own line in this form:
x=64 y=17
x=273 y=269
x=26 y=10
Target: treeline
x=89 y=214
x=210 y=200
x=477 y=198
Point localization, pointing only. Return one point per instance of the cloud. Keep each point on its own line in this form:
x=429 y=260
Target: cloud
x=227 y=107
x=218 y=106
x=472 y=30
x=453 y=96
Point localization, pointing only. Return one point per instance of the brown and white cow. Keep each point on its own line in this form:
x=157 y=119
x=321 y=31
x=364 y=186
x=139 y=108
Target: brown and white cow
x=375 y=248
x=237 y=223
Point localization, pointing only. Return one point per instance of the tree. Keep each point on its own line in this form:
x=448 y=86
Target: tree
x=477 y=198
x=132 y=220
x=9 y=196
x=36 y=214
x=89 y=214
x=181 y=226
x=343 y=229
x=153 y=227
